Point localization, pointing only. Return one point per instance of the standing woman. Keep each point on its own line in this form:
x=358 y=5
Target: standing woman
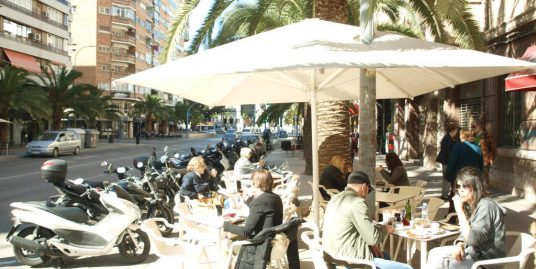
x=447 y=143
x=265 y=211
x=398 y=175
x=481 y=222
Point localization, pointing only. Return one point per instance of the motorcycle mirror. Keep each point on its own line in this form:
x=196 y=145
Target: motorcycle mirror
x=165 y=148
x=120 y=170
x=176 y=155
x=203 y=151
x=139 y=164
x=105 y=163
x=225 y=144
x=178 y=176
x=163 y=159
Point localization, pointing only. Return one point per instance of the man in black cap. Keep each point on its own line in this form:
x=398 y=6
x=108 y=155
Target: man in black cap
x=349 y=231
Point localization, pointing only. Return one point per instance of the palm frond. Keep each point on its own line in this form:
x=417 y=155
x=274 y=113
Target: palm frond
x=178 y=28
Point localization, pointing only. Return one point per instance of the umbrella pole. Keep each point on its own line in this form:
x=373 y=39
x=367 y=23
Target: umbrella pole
x=314 y=134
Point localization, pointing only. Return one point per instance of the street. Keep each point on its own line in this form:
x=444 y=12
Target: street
x=21 y=179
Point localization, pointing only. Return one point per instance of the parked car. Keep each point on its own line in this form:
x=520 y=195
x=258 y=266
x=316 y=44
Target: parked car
x=220 y=130
x=53 y=143
x=246 y=131
x=229 y=137
x=282 y=134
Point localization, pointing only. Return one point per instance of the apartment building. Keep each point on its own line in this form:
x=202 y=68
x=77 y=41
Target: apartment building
x=34 y=33
x=116 y=38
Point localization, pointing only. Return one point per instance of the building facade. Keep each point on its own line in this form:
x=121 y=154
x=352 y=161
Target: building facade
x=116 y=38
x=509 y=29
x=33 y=35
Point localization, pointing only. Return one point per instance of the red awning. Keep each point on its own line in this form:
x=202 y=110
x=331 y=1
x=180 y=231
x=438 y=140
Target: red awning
x=23 y=61
x=523 y=80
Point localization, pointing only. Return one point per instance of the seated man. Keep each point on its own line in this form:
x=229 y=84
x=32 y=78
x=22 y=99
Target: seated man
x=243 y=165
x=348 y=229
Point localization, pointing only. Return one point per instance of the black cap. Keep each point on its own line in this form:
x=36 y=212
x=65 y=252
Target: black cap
x=359 y=178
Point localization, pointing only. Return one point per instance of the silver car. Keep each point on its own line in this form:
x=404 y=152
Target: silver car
x=53 y=143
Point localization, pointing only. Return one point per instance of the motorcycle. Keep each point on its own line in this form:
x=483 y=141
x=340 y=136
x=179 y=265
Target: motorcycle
x=42 y=232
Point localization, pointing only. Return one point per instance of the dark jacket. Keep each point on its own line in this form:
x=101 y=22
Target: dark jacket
x=447 y=144
x=193 y=184
x=265 y=211
x=397 y=177
x=463 y=154
x=332 y=178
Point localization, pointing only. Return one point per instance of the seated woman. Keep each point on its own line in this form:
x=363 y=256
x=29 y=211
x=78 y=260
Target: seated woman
x=481 y=222
x=243 y=165
x=265 y=211
x=197 y=182
x=334 y=175
x=398 y=175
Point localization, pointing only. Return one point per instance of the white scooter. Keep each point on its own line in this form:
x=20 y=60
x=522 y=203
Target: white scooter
x=42 y=232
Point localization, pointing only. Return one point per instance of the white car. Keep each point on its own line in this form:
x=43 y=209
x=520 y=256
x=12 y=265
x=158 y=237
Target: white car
x=53 y=143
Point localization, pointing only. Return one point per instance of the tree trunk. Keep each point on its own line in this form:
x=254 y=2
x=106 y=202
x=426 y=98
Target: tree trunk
x=307 y=140
x=56 y=121
x=430 y=131
x=412 y=128
x=4 y=114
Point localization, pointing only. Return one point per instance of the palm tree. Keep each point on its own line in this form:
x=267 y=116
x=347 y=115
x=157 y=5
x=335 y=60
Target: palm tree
x=20 y=93
x=63 y=92
x=152 y=106
x=97 y=106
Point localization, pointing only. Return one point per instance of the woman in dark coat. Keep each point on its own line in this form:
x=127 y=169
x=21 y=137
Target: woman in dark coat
x=447 y=144
x=397 y=175
x=334 y=176
x=265 y=211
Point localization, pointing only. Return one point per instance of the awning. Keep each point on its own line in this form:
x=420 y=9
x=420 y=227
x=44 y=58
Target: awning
x=23 y=61
x=523 y=80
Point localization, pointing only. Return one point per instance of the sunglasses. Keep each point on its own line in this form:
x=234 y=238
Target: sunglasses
x=465 y=186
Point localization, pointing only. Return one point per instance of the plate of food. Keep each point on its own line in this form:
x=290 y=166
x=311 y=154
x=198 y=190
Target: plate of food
x=449 y=227
x=418 y=234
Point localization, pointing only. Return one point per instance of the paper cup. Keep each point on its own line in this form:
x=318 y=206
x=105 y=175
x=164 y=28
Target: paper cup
x=434 y=227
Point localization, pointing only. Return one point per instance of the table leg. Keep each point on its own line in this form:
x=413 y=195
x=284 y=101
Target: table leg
x=424 y=253
x=408 y=251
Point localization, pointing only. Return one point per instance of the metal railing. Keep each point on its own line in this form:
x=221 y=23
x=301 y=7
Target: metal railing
x=33 y=13
x=124 y=58
x=123 y=20
x=125 y=39
x=127 y=3
x=27 y=41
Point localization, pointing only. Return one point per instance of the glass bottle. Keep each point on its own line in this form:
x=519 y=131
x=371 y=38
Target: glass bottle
x=407 y=217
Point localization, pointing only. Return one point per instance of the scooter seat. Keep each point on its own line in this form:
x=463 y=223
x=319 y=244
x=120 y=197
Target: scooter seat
x=74 y=214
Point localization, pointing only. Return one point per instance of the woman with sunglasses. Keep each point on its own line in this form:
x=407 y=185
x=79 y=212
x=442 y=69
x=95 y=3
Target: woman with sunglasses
x=481 y=220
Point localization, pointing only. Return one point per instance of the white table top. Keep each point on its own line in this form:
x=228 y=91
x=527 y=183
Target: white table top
x=390 y=198
x=406 y=232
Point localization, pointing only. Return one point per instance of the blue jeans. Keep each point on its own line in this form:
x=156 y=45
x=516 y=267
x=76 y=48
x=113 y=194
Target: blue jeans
x=388 y=264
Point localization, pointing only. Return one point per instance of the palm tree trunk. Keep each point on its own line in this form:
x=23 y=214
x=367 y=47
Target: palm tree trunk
x=4 y=113
x=56 y=121
x=307 y=140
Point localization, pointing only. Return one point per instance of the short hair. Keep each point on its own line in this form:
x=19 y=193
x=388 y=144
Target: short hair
x=245 y=152
x=194 y=163
x=262 y=179
x=451 y=126
x=471 y=176
x=466 y=135
x=339 y=161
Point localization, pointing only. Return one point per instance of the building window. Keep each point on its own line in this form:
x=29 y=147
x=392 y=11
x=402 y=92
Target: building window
x=104 y=29
x=469 y=112
x=73 y=9
x=56 y=42
x=105 y=67
x=105 y=49
x=27 y=4
x=511 y=130
x=54 y=15
x=123 y=12
x=103 y=86
x=104 y=10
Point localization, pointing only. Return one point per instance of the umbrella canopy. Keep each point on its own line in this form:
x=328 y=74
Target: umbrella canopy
x=4 y=121
x=524 y=80
x=315 y=60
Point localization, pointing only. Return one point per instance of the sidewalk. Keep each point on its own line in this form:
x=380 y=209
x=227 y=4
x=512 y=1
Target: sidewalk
x=520 y=211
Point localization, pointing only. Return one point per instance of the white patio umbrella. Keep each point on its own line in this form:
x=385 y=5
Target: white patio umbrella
x=313 y=61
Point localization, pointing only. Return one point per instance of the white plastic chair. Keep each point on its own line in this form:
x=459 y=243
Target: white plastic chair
x=179 y=250
x=418 y=183
x=517 y=255
x=318 y=253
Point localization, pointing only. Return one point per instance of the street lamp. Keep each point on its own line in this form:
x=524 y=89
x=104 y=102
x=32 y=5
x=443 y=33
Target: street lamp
x=74 y=67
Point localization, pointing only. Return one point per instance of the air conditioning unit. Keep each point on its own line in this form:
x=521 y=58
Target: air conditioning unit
x=34 y=36
x=46 y=14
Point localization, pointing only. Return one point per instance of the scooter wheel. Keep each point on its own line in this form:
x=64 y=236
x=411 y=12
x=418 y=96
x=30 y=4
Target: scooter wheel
x=27 y=257
x=135 y=253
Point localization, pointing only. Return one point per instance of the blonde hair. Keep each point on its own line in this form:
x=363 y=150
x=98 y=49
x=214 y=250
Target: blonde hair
x=262 y=179
x=194 y=163
x=466 y=135
x=338 y=161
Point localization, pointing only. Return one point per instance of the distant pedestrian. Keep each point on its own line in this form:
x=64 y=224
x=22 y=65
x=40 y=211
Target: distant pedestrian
x=486 y=142
x=447 y=143
x=23 y=137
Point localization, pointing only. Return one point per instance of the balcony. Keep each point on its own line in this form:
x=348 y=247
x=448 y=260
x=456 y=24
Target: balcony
x=122 y=20
x=33 y=13
x=121 y=73
x=124 y=39
x=128 y=3
x=27 y=41
x=126 y=58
